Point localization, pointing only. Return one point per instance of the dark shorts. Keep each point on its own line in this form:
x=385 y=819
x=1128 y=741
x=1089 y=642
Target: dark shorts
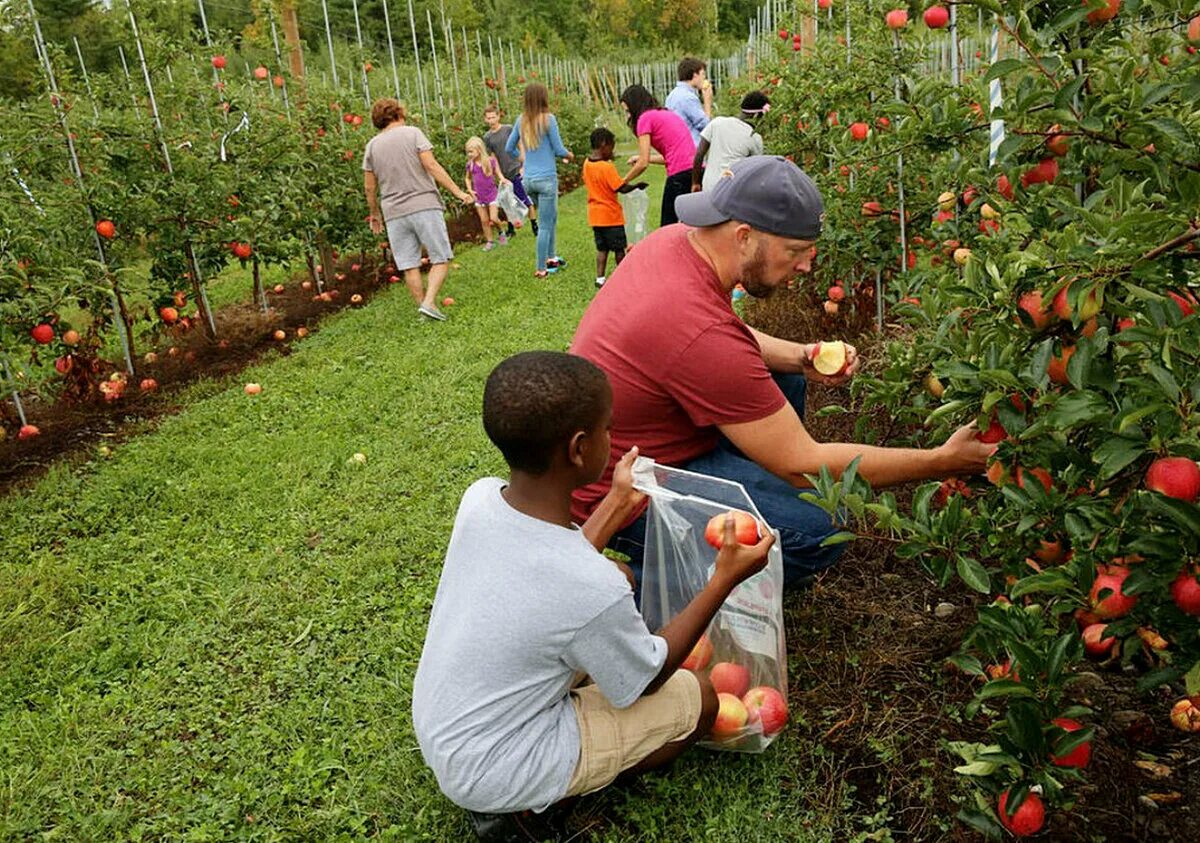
x=519 y=190
x=609 y=238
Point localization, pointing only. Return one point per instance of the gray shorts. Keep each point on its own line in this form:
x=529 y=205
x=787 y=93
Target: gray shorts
x=407 y=234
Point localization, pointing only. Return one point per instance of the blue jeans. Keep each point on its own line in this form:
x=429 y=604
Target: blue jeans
x=802 y=526
x=544 y=193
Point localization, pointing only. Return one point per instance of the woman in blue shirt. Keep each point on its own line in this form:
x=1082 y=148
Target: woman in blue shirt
x=541 y=145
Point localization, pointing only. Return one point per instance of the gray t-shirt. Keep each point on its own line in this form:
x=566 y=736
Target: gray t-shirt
x=523 y=607
x=405 y=187
x=729 y=139
x=495 y=143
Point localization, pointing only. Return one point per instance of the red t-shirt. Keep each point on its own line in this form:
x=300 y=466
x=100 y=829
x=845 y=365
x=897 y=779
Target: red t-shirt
x=679 y=359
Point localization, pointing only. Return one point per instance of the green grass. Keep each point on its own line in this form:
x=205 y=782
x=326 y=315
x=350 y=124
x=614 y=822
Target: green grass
x=212 y=633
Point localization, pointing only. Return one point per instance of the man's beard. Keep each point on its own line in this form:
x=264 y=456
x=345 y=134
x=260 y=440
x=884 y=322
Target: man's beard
x=752 y=272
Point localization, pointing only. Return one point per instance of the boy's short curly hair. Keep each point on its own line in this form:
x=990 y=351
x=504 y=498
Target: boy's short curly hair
x=386 y=111
x=601 y=137
x=535 y=401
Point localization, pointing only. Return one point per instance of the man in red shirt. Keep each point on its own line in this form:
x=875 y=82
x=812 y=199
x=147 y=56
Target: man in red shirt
x=695 y=387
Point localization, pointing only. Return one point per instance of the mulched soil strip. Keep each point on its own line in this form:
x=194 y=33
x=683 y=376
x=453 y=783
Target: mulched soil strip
x=69 y=429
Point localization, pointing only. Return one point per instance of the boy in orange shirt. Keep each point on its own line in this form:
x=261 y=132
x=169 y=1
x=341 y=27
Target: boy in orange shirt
x=604 y=209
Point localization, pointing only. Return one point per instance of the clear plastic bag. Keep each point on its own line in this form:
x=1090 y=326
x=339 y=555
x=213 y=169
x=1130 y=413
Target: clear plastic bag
x=636 y=203
x=747 y=633
x=514 y=209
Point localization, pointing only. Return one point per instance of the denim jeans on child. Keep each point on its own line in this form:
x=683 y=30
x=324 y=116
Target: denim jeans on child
x=802 y=526
x=544 y=193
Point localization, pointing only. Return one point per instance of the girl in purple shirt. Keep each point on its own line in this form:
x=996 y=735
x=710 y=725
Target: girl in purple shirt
x=669 y=136
x=483 y=180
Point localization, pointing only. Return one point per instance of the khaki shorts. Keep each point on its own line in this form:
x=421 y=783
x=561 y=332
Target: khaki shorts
x=615 y=739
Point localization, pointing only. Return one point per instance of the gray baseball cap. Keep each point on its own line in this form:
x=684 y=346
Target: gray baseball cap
x=767 y=192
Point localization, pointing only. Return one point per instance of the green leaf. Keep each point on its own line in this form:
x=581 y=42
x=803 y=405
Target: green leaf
x=1171 y=128
x=1184 y=514
x=1192 y=679
x=977 y=768
x=1003 y=68
x=1058 y=656
x=974 y=574
x=1054 y=581
x=1004 y=688
x=1116 y=453
x=839 y=538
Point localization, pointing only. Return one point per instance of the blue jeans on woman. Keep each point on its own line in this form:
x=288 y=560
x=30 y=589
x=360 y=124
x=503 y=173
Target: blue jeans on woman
x=544 y=193
x=801 y=525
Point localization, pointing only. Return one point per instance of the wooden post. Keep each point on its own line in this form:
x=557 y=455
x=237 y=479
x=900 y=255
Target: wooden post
x=291 y=35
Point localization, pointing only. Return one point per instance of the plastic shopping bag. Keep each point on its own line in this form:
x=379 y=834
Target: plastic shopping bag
x=635 y=204
x=747 y=657
x=514 y=209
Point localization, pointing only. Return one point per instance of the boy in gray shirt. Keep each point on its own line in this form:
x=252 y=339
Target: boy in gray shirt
x=496 y=141
x=527 y=606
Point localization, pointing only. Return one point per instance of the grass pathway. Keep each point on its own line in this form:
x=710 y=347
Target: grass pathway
x=212 y=633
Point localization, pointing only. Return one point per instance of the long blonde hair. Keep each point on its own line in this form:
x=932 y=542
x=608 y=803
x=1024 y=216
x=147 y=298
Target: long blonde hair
x=481 y=155
x=535 y=115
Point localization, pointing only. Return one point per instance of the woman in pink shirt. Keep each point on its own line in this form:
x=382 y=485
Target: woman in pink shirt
x=670 y=137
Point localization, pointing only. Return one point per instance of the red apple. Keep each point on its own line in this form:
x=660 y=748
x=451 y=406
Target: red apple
x=1044 y=173
x=871 y=209
x=859 y=131
x=1057 y=369
x=731 y=716
x=1004 y=187
x=148 y=384
x=64 y=364
x=1105 y=13
x=1031 y=303
x=280 y=335
x=1108 y=599
x=169 y=315
x=896 y=18
x=43 y=334
x=218 y=62
x=1193 y=30
x=1186 y=301
x=28 y=431
x=744 y=526
x=261 y=73
x=995 y=432
x=1185 y=590
x=730 y=678
x=700 y=655
x=830 y=358
x=1080 y=755
x=936 y=17
x=252 y=389
x=767 y=706
x=836 y=293
x=106 y=229
x=1027 y=819
x=1175 y=477
x=447 y=301
x=1088 y=308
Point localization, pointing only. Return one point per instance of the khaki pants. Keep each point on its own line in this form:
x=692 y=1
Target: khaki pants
x=614 y=739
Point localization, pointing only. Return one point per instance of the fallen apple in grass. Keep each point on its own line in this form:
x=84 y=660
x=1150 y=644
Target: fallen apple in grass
x=700 y=655
x=1185 y=714
x=836 y=293
x=280 y=335
x=730 y=678
x=766 y=706
x=252 y=389
x=447 y=301
x=830 y=358
x=831 y=308
x=28 y=431
x=1175 y=477
x=745 y=528
x=148 y=385
x=43 y=334
x=731 y=716
x=1027 y=819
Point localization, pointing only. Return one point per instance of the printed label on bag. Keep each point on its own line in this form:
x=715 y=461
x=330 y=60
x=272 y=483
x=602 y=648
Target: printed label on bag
x=750 y=634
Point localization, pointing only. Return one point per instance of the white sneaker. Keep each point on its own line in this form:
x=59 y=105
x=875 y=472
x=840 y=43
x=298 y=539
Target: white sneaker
x=599 y=282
